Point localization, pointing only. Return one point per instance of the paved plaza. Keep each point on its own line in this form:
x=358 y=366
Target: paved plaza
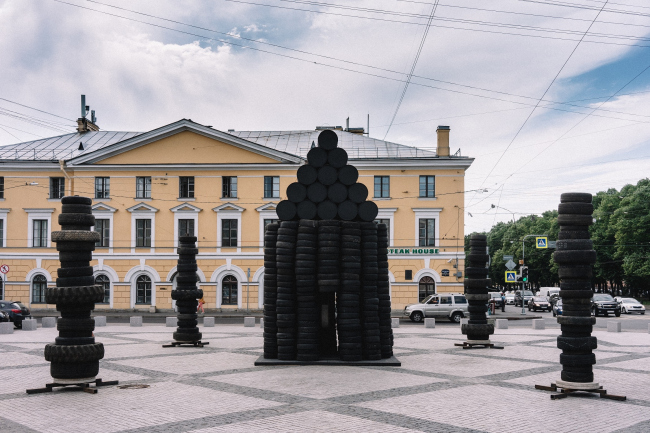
x=438 y=388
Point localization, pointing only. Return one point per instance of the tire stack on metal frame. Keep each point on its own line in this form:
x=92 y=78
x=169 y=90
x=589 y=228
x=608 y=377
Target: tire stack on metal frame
x=286 y=306
x=75 y=355
x=348 y=300
x=477 y=329
x=369 y=296
x=307 y=292
x=383 y=293
x=270 y=292
x=186 y=294
x=575 y=256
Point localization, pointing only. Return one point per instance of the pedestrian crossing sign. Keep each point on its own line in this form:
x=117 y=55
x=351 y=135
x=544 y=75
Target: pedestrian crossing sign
x=511 y=276
x=542 y=242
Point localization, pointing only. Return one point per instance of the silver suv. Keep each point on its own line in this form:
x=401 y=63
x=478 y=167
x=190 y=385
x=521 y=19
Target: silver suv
x=450 y=305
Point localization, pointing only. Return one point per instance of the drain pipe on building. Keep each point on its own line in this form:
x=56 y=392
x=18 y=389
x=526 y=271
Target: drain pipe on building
x=62 y=167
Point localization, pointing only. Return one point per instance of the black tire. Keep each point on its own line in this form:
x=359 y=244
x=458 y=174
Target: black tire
x=75 y=199
x=586 y=377
x=347 y=210
x=358 y=193
x=575 y=272
x=577 y=360
x=574 y=257
x=337 y=192
x=286 y=210
x=368 y=211
x=186 y=295
x=577 y=344
x=76 y=370
x=75 y=325
x=307 y=175
x=328 y=139
x=416 y=317
x=307 y=210
x=76 y=219
x=574 y=244
x=317 y=157
x=348 y=175
x=296 y=192
x=477 y=257
x=575 y=208
x=187 y=336
x=74 y=295
x=83 y=271
x=573 y=234
x=76 y=208
x=70 y=354
x=189 y=251
x=480 y=273
x=327 y=175
x=574 y=220
x=580 y=197
x=190 y=267
x=75 y=246
x=316 y=192
x=337 y=158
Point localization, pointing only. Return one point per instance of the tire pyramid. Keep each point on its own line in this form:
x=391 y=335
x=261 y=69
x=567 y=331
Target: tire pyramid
x=75 y=355
x=477 y=329
x=186 y=294
x=326 y=266
x=575 y=256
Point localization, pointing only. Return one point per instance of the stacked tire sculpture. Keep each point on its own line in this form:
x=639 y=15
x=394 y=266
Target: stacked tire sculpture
x=477 y=329
x=331 y=261
x=575 y=257
x=75 y=355
x=186 y=294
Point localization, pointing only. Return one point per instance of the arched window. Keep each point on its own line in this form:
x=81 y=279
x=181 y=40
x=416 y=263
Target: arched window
x=143 y=290
x=427 y=287
x=229 y=290
x=39 y=283
x=102 y=280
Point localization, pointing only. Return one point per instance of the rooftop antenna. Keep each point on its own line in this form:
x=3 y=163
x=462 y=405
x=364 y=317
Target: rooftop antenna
x=368 y=126
x=92 y=116
x=84 y=107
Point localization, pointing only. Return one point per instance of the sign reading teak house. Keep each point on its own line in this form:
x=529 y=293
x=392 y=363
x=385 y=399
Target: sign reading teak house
x=413 y=251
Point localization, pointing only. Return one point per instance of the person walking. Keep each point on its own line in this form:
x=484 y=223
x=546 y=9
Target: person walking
x=503 y=302
x=200 y=307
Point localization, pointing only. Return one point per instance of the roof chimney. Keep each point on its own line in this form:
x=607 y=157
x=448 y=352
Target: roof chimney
x=443 y=141
x=83 y=124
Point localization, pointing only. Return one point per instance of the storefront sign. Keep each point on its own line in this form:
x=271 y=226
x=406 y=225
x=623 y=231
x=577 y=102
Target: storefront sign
x=413 y=251
x=445 y=272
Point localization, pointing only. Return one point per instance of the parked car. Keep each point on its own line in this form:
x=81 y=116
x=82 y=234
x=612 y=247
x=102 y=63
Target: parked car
x=554 y=298
x=450 y=305
x=557 y=308
x=548 y=292
x=497 y=299
x=539 y=303
x=4 y=317
x=510 y=298
x=605 y=304
x=630 y=305
x=17 y=312
x=528 y=295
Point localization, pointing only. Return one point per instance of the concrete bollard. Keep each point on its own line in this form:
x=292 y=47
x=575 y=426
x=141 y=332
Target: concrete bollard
x=135 y=321
x=171 y=322
x=430 y=323
x=49 y=322
x=501 y=324
x=29 y=325
x=6 y=328
x=613 y=326
x=100 y=321
x=539 y=324
x=395 y=322
x=464 y=321
x=208 y=322
x=249 y=322
x=262 y=323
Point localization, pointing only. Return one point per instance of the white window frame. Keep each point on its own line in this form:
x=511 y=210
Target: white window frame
x=105 y=212
x=229 y=211
x=424 y=213
x=3 y=217
x=185 y=211
x=268 y=211
x=38 y=214
x=388 y=214
x=143 y=211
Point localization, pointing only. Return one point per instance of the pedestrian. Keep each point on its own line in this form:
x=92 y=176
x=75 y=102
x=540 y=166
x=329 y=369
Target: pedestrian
x=200 y=307
x=503 y=302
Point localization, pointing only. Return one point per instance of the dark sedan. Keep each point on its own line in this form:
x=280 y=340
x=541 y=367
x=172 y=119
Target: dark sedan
x=539 y=303
x=17 y=312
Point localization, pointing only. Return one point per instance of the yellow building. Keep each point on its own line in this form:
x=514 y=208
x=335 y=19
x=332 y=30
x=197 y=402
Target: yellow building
x=149 y=187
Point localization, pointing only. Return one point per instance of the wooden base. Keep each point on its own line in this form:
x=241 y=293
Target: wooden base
x=186 y=343
x=467 y=345
x=566 y=392
x=80 y=386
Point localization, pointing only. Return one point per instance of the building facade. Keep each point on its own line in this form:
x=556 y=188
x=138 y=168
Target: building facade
x=223 y=187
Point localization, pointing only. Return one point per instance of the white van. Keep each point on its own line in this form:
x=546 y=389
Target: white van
x=547 y=292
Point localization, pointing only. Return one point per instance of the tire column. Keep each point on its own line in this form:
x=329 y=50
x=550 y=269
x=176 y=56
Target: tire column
x=186 y=294
x=348 y=298
x=270 y=292
x=383 y=293
x=307 y=291
x=575 y=257
x=369 y=296
x=75 y=355
x=477 y=329
x=286 y=298
x=328 y=270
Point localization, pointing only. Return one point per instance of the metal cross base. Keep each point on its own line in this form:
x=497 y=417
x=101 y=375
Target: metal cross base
x=467 y=345
x=82 y=386
x=186 y=343
x=566 y=392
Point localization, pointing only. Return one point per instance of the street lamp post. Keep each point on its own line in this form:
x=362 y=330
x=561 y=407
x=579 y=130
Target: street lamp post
x=523 y=261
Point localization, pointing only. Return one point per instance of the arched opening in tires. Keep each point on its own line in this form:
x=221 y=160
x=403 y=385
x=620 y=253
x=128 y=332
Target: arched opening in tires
x=427 y=287
x=229 y=290
x=39 y=283
x=143 y=290
x=105 y=282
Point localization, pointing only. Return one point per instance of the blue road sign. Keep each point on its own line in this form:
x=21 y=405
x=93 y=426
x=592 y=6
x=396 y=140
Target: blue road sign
x=542 y=242
x=511 y=276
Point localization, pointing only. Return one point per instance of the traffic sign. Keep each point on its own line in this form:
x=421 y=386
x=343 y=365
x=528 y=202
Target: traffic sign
x=511 y=265
x=541 y=242
x=4 y=269
x=506 y=258
x=511 y=276
x=552 y=244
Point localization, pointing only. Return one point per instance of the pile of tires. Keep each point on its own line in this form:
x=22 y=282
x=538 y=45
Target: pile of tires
x=348 y=299
x=270 y=292
x=383 y=293
x=74 y=354
x=476 y=291
x=369 y=296
x=307 y=292
x=575 y=256
x=186 y=294
x=286 y=306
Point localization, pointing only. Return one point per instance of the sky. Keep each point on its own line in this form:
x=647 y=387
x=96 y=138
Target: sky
x=548 y=96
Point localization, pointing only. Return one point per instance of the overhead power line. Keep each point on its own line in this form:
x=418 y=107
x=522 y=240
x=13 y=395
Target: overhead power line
x=36 y=109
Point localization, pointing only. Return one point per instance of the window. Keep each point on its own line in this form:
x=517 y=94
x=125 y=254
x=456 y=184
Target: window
x=102 y=280
x=39 y=238
x=143 y=233
x=460 y=300
x=229 y=290
x=427 y=186
x=387 y=222
x=382 y=186
x=143 y=187
x=39 y=283
x=408 y=275
x=57 y=187
x=271 y=186
x=103 y=227
x=2 y=187
x=427 y=287
x=143 y=290
x=445 y=300
x=229 y=187
x=228 y=233
x=102 y=187
x=186 y=227
x=186 y=187
x=427 y=232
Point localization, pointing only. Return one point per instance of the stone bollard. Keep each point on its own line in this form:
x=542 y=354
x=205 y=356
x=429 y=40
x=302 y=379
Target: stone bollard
x=539 y=324
x=430 y=323
x=29 y=325
x=135 y=321
x=6 y=328
x=262 y=323
x=171 y=322
x=49 y=322
x=501 y=323
x=100 y=321
x=394 y=322
x=613 y=326
x=249 y=322
x=208 y=322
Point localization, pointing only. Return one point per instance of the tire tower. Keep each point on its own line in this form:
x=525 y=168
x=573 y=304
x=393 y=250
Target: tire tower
x=477 y=329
